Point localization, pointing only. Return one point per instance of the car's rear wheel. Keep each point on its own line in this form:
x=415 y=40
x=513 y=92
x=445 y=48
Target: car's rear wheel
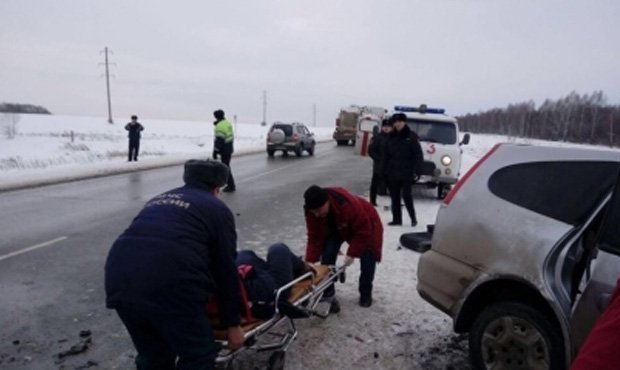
x=270 y=152
x=299 y=150
x=512 y=335
x=310 y=150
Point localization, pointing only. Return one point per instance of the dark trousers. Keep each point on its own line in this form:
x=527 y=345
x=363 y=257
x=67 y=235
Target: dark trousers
x=377 y=186
x=367 y=264
x=169 y=342
x=397 y=189
x=134 y=147
x=282 y=264
x=226 y=160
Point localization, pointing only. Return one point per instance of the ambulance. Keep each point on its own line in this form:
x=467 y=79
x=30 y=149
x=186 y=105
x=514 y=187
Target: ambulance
x=439 y=138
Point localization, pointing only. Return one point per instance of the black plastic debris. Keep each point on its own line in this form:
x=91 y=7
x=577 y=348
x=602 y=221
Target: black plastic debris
x=85 y=333
x=78 y=348
x=87 y=365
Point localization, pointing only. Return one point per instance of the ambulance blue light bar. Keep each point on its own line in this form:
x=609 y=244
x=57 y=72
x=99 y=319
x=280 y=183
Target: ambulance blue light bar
x=421 y=109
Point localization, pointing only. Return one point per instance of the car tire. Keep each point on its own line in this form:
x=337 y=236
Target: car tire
x=511 y=334
x=271 y=152
x=299 y=150
x=311 y=150
x=342 y=142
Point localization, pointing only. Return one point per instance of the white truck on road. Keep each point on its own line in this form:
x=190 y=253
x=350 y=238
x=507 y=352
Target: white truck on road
x=349 y=119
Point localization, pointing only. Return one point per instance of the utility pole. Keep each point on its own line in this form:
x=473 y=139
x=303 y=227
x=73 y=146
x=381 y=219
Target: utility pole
x=107 y=81
x=264 y=123
x=611 y=129
x=314 y=115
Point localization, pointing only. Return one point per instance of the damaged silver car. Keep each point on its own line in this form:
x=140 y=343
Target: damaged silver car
x=525 y=252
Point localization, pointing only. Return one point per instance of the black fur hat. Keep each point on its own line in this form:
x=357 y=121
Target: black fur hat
x=399 y=117
x=218 y=114
x=315 y=196
x=205 y=173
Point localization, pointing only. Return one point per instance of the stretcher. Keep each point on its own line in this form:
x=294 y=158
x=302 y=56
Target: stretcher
x=306 y=292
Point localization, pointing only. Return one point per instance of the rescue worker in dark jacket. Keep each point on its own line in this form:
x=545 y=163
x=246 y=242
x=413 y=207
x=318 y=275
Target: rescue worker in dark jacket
x=134 y=127
x=223 y=145
x=333 y=216
x=403 y=159
x=161 y=270
x=376 y=151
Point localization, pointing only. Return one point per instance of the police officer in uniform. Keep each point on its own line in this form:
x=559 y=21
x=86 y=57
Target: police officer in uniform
x=223 y=145
x=134 y=127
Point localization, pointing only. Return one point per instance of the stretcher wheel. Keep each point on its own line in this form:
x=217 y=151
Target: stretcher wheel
x=276 y=360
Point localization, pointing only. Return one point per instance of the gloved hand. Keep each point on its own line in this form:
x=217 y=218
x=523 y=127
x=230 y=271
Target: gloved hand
x=214 y=154
x=348 y=261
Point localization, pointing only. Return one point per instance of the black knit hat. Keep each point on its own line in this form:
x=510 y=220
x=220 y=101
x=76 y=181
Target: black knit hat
x=205 y=173
x=399 y=117
x=314 y=197
x=386 y=122
x=218 y=114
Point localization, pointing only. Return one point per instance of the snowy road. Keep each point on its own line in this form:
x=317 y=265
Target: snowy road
x=55 y=240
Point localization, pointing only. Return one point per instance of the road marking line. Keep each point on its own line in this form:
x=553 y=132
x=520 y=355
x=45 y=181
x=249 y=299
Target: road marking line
x=34 y=247
x=272 y=171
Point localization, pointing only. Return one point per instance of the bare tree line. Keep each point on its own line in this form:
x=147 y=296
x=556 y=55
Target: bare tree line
x=576 y=118
x=22 y=108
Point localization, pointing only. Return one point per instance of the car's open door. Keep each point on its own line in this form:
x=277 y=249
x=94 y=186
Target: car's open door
x=604 y=271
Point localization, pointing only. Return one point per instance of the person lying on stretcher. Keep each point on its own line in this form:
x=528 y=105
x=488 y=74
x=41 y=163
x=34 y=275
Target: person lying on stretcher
x=261 y=278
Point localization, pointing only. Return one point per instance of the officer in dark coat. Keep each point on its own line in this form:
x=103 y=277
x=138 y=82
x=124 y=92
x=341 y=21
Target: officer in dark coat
x=403 y=159
x=134 y=127
x=161 y=270
x=376 y=151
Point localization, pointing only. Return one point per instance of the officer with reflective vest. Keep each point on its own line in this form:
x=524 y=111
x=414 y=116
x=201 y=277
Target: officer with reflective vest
x=223 y=145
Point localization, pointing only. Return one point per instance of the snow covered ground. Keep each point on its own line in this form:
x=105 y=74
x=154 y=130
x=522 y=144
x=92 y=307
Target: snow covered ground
x=57 y=148
x=400 y=330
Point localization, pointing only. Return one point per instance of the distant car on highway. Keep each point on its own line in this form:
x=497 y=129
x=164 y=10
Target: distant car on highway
x=290 y=137
x=525 y=252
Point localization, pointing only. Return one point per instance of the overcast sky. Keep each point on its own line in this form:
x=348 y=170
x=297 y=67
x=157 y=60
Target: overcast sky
x=184 y=59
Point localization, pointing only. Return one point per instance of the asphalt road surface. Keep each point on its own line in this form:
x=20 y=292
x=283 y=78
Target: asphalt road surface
x=55 y=240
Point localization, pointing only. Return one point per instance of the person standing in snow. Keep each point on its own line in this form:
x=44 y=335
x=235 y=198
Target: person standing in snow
x=134 y=127
x=376 y=151
x=161 y=271
x=333 y=216
x=223 y=145
x=403 y=159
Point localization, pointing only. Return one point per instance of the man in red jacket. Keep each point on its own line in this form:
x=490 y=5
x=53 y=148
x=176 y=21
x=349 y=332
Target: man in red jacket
x=333 y=216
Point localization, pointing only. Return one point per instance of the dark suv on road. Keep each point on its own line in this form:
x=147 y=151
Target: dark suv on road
x=290 y=137
x=525 y=252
